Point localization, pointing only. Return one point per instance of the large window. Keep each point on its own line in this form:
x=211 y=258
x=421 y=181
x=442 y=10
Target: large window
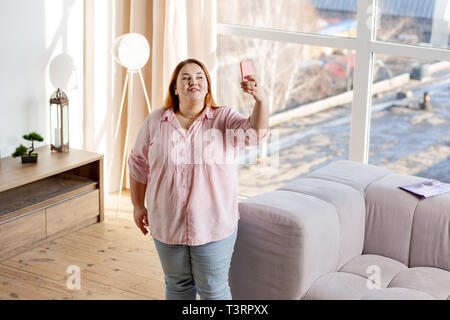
x=293 y=75
x=416 y=22
x=334 y=72
x=296 y=78
x=410 y=121
x=337 y=18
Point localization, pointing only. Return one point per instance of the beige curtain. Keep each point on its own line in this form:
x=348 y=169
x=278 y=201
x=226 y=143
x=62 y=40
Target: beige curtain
x=175 y=29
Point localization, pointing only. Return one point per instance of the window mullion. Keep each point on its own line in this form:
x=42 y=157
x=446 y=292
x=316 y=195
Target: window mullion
x=286 y=36
x=410 y=51
x=362 y=83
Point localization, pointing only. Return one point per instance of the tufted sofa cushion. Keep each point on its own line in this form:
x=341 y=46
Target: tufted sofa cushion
x=351 y=214
x=401 y=226
x=430 y=235
x=389 y=217
x=345 y=231
x=393 y=280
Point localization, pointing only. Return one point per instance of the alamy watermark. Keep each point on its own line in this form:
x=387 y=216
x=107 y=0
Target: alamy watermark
x=213 y=147
x=373 y=10
x=374 y=279
x=74 y=280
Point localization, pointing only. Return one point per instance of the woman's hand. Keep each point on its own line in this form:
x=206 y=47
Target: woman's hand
x=141 y=218
x=250 y=86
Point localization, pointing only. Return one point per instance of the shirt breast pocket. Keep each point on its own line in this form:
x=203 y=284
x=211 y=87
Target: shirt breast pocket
x=159 y=153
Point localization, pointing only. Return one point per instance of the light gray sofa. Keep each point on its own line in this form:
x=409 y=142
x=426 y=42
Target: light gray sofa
x=345 y=231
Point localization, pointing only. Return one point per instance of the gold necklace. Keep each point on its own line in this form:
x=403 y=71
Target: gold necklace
x=188 y=117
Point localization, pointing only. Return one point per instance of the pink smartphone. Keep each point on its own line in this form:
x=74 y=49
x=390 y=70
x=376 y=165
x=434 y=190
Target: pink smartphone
x=246 y=69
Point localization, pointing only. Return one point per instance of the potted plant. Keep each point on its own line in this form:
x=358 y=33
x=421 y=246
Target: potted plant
x=22 y=151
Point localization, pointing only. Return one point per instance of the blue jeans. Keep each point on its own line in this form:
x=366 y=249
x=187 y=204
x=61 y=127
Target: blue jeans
x=204 y=268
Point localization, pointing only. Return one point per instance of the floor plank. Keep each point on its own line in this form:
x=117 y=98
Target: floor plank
x=115 y=260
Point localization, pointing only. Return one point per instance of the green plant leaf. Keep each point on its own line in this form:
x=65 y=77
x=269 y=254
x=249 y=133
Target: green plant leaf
x=20 y=151
x=33 y=136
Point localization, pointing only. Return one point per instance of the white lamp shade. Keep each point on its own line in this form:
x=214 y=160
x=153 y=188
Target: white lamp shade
x=131 y=50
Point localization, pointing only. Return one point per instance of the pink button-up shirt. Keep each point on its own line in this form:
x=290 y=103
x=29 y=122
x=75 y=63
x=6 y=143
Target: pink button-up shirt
x=190 y=175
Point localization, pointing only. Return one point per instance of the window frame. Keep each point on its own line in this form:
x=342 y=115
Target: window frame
x=365 y=46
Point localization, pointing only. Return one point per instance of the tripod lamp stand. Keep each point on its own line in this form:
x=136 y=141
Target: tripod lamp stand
x=131 y=51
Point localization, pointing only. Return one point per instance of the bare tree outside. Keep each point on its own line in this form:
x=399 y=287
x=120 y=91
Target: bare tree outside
x=278 y=66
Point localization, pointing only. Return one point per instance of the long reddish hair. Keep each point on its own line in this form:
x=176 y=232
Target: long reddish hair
x=172 y=100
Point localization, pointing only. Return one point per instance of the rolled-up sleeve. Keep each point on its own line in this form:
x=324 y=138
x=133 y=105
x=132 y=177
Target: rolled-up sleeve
x=138 y=159
x=243 y=131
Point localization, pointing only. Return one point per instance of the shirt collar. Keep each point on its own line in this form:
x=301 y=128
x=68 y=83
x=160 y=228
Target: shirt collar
x=167 y=115
x=208 y=114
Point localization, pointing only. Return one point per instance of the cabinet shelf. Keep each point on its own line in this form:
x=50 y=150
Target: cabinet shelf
x=42 y=193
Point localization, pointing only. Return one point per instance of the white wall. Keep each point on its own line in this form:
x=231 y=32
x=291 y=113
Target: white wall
x=32 y=33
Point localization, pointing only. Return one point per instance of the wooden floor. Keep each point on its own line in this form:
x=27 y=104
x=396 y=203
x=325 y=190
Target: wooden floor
x=116 y=261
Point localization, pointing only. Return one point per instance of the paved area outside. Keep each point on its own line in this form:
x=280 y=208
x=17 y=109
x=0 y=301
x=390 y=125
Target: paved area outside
x=404 y=138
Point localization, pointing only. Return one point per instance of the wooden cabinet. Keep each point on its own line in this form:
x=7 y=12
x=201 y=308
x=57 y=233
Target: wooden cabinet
x=40 y=202
x=18 y=234
x=72 y=213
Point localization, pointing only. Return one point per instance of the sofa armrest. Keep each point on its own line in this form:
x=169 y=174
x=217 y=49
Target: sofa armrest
x=285 y=241
x=406 y=228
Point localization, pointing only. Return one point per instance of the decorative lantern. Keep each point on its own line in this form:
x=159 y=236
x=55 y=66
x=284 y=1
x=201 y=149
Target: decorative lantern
x=59 y=121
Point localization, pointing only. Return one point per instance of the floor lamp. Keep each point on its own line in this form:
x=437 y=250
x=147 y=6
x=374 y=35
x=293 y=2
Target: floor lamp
x=131 y=51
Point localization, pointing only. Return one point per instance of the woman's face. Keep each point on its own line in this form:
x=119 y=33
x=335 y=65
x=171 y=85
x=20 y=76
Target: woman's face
x=191 y=85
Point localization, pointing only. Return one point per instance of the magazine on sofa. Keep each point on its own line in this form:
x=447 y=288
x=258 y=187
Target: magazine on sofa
x=427 y=188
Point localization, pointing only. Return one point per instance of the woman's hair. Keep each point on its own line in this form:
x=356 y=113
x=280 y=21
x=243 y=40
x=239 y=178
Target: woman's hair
x=172 y=99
